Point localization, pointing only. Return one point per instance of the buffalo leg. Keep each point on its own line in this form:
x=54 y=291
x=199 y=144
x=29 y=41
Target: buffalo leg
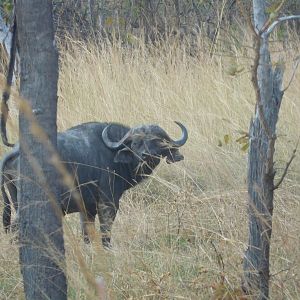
x=107 y=214
x=87 y=226
x=13 y=192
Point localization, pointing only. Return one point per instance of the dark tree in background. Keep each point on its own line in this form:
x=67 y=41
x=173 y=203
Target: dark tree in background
x=41 y=236
x=155 y=19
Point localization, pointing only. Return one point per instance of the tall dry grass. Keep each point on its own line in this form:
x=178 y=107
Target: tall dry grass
x=182 y=233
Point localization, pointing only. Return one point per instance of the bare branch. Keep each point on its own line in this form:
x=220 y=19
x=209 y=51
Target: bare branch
x=257 y=45
x=293 y=75
x=274 y=13
x=284 y=270
x=286 y=168
x=247 y=16
x=269 y=30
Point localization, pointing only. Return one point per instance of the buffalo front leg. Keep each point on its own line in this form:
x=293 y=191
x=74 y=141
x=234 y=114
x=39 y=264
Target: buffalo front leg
x=87 y=226
x=107 y=214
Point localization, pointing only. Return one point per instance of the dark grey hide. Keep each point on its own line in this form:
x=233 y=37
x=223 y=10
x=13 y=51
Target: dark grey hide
x=105 y=160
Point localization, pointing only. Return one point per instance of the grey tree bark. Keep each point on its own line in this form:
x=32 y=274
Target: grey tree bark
x=267 y=84
x=42 y=255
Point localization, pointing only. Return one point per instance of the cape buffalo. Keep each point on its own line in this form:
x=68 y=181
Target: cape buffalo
x=105 y=159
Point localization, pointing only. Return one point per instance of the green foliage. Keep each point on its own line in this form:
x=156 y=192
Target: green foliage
x=6 y=7
x=275 y=7
x=242 y=140
x=227 y=138
x=234 y=70
x=225 y=141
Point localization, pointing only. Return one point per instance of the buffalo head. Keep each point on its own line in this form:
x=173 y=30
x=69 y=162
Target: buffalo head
x=146 y=143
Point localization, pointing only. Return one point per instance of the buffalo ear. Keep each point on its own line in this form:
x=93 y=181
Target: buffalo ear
x=124 y=156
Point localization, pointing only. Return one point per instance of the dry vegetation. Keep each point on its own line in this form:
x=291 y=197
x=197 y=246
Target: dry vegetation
x=182 y=233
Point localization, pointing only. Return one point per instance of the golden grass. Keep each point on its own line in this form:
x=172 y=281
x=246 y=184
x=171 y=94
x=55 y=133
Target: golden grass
x=182 y=233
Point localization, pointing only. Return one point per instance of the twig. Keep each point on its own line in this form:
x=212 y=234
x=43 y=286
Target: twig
x=293 y=75
x=220 y=260
x=281 y=271
x=268 y=30
x=270 y=19
x=246 y=16
x=257 y=45
x=286 y=167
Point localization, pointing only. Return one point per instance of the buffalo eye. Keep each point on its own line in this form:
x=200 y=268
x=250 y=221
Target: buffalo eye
x=136 y=145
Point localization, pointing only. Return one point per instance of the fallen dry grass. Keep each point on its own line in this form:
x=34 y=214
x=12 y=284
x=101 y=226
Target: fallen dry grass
x=182 y=233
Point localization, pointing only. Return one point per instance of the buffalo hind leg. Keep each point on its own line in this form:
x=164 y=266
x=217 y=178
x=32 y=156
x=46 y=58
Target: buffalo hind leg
x=13 y=192
x=87 y=226
x=107 y=214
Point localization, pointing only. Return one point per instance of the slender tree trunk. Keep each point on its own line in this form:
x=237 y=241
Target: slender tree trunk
x=177 y=9
x=94 y=14
x=267 y=84
x=41 y=237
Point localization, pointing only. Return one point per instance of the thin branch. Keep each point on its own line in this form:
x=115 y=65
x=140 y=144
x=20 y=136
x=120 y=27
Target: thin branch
x=257 y=45
x=286 y=167
x=281 y=271
x=293 y=75
x=247 y=16
x=220 y=260
x=270 y=19
x=269 y=29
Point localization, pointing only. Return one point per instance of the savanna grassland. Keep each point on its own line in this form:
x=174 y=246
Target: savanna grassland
x=182 y=233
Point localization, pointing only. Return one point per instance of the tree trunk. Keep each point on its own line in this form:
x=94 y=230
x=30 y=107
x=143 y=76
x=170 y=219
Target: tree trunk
x=42 y=255
x=267 y=83
x=177 y=9
x=94 y=14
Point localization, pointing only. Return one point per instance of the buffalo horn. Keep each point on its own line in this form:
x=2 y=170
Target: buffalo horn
x=184 y=137
x=114 y=145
